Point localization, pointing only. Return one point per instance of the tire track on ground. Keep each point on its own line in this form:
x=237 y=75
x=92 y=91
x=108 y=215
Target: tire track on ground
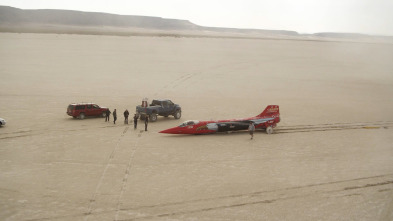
x=261 y=192
x=127 y=173
x=252 y=198
x=278 y=130
x=19 y=134
x=187 y=77
x=108 y=163
x=333 y=126
x=261 y=198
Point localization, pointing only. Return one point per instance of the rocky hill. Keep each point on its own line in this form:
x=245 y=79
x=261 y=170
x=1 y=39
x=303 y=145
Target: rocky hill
x=51 y=20
x=78 y=22
x=9 y=15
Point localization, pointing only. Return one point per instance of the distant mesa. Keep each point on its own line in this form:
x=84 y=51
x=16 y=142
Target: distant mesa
x=48 y=20
x=341 y=35
x=12 y=15
x=95 y=23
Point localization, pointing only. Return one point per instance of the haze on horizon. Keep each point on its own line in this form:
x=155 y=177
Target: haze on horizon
x=372 y=17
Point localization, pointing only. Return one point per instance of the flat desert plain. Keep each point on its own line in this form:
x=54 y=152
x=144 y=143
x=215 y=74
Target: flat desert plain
x=330 y=157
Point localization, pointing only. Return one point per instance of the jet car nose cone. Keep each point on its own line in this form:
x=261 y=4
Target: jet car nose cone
x=169 y=131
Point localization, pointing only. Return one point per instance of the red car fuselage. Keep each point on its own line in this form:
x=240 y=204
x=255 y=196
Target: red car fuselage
x=268 y=118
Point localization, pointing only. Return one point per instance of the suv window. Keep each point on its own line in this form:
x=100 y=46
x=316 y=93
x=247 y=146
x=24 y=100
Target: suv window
x=95 y=106
x=71 y=107
x=80 y=107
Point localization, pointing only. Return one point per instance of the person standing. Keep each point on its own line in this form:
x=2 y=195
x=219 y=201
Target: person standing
x=135 y=121
x=107 y=114
x=114 y=116
x=126 y=113
x=251 y=129
x=146 y=122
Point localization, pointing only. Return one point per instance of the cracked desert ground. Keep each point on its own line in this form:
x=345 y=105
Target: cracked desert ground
x=330 y=158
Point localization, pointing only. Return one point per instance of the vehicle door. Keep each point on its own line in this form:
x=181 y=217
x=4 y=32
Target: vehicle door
x=171 y=107
x=96 y=110
x=164 y=108
x=80 y=109
x=89 y=110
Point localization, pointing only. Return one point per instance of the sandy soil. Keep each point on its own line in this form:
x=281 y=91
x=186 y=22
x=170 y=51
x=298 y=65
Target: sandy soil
x=331 y=157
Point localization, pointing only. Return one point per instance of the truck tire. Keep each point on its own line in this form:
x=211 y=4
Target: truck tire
x=177 y=114
x=153 y=117
x=103 y=114
x=81 y=116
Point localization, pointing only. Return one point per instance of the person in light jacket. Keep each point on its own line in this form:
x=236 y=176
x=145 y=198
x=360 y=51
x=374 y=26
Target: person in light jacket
x=251 y=129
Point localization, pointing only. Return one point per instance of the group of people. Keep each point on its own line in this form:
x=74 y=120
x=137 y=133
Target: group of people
x=126 y=114
x=251 y=127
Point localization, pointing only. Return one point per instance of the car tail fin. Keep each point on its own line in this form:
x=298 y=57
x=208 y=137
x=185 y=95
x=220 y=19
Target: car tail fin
x=270 y=111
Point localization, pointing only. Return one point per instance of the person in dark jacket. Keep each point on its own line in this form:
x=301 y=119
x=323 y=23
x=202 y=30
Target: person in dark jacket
x=107 y=114
x=146 y=122
x=135 y=121
x=114 y=116
x=126 y=113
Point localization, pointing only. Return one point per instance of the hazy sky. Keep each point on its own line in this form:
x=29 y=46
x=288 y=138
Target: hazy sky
x=303 y=16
